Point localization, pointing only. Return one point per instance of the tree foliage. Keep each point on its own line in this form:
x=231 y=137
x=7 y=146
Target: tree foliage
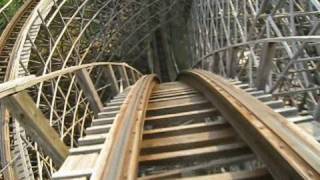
x=9 y=12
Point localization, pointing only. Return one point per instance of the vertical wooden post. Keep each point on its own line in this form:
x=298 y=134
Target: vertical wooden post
x=232 y=59
x=124 y=76
x=112 y=78
x=265 y=65
x=86 y=84
x=216 y=62
x=37 y=126
x=133 y=76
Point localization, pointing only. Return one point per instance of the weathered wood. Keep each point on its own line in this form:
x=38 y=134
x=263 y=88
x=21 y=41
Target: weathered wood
x=196 y=115
x=265 y=65
x=37 y=125
x=247 y=174
x=172 y=94
x=184 y=129
x=23 y=83
x=196 y=153
x=133 y=76
x=118 y=157
x=171 y=102
x=124 y=76
x=113 y=80
x=188 y=141
x=188 y=96
x=86 y=84
x=181 y=105
x=232 y=60
x=177 y=173
x=287 y=151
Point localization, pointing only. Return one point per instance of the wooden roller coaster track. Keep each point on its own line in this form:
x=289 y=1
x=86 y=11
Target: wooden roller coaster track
x=200 y=127
x=68 y=112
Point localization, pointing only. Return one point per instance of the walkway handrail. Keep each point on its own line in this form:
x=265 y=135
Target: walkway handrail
x=20 y=84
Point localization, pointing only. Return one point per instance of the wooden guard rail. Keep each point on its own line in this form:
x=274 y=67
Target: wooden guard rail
x=20 y=104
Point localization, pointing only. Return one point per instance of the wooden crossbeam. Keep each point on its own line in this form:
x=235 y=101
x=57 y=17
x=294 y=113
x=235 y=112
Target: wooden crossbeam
x=37 y=126
x=184 y=129
x=178 y=173
x=187 y=141
x=224 y=150
x=244 y=174
x=86 y=84
x=196 y=115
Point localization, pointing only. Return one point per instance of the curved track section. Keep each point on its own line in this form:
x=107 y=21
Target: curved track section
x=202 y=127
x=272 y=45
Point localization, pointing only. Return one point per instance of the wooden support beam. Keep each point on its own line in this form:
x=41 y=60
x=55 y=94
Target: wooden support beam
x=86 y=84
x=265 y=65
x=216 y=62
x=133 y=76
x=124 y=76
x=37 y=126
x=113 y=80
x=232 y=60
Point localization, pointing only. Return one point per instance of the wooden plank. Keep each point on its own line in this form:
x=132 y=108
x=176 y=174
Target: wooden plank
x=188 y=141
x=184 y=129
x=175 y=101
x=173 y=94
x=86 y=84
x=178 y=173
x=180 y=105
x=112 y=78
x=184 y=116
x=265 y=65
x=173 y=90
x=170 y=85
x=37 y=126
x=174 y=98
x=124 y=76
x=217 y=151
x=246 y=174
